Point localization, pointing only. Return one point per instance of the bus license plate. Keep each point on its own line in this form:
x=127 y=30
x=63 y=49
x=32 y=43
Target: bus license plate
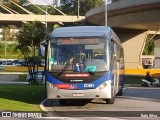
x=77 y=94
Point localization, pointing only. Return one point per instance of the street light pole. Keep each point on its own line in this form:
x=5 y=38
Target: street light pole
x=46 y=47
x=106 y=1
x=46 y=18
x=78 y=9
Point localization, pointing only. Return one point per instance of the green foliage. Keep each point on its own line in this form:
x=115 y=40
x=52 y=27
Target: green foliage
x=11 y=48
x=29 y=38
x=27 y=6
x=13 y=6
x=71 y=6
x=6 y=34
x=149 y=47
x=56 y=26
x=21 y=97
x=113 y=1
x=1 y=48
x=132 y=79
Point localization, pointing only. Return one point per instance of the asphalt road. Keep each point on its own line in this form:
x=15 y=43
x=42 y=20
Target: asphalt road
x=136 y=102
x=8 y=77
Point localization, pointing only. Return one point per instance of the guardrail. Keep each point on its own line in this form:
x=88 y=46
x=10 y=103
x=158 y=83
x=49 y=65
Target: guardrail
x=1 y=67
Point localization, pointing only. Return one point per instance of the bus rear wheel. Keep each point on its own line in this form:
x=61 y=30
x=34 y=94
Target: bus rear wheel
x=110 y=101
x=120 y=93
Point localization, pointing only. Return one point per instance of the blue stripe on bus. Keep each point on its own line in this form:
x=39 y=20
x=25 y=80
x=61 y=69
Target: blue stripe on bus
x=96 y=83
x=51 y=79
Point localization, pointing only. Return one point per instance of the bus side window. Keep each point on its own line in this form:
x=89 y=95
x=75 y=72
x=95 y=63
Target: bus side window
x=113 y=48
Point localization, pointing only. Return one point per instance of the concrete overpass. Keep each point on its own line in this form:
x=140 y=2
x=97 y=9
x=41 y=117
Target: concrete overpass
x=132 y=20
x=15 y=18
x=18 y=19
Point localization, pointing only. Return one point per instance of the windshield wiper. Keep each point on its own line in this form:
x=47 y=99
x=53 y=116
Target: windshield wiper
x=66 y=66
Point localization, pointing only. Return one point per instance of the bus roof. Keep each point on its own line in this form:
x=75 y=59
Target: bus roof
x=81 y=31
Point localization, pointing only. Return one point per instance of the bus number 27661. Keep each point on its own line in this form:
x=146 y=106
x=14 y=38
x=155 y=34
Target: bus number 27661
x=88 y=85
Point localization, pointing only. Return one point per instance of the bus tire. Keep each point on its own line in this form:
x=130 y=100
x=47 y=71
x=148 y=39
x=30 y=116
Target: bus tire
x=62 y=101
x=111 y=100
x=120 y=93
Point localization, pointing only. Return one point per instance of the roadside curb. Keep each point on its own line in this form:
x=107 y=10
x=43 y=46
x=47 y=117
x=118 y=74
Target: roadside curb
x=13 y=73
x=50 y=112
x=132 y=85
x=15 y=83
x=41 y=105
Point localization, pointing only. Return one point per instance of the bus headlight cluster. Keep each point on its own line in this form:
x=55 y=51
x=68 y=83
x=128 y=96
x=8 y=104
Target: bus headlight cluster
x=105 y=84
x=51 y=86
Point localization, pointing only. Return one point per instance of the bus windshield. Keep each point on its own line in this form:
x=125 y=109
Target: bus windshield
x=78 y=54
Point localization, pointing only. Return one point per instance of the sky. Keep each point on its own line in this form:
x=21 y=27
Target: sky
x=42 y=2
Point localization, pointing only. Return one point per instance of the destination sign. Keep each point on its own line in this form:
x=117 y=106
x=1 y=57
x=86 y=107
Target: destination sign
x=77 y=75
x=70 y=41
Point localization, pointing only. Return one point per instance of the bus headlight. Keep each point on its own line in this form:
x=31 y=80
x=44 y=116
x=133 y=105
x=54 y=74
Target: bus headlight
x=105 y=84
x=52 y=86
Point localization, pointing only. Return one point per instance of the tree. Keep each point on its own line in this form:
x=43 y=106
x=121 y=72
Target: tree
x=113 y=1
x=6 y=37
x=149 y=46
x=13 y=6
x=71 y=6
x=29 y=38
x=26 y=5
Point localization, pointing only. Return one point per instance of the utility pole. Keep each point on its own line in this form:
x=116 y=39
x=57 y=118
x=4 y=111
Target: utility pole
x=106 y=2
x=46 y=18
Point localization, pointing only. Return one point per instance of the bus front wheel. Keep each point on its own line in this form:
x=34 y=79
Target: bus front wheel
x=62 y=101
x=110 y=101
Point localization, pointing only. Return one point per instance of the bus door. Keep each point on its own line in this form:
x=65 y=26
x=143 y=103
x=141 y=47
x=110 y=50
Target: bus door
x=114 y=65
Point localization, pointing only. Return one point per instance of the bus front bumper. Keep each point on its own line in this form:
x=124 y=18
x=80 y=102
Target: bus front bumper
x=56 y=93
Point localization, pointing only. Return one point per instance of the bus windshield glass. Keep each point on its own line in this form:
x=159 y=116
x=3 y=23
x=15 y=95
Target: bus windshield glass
x=78 y=54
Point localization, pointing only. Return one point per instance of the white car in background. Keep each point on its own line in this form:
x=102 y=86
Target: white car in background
x=39 y=75
x=9 y=63
x=42 y=63
x=153 y=67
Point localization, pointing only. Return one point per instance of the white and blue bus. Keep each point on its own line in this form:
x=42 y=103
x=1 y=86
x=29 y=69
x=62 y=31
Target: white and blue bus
x=84 y=62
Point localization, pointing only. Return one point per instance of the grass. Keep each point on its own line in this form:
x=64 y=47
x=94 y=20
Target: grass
x=10 y=56
x=22 y=78
x=21 y=97
x=133 y=79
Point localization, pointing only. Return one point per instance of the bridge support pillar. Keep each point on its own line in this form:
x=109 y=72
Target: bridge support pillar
x=133 y=43
x=156 y=52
